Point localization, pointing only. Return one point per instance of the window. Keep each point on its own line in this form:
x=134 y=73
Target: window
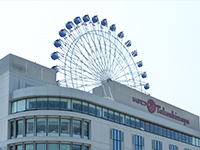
x=76 y=105
x=76 y=147
x=64 y=147
x=138 y=142
x=12 y=129
x=121 y=119
x=29 y=127
x=187 y=149
x=19 y=128
x=53 y=147
x=31 y=104
x=105 y=113
x=41 y=103
x=21 y=105
x=53 y=125
x=173 y=147
x=65 y=104
x=132 y=122
x=92 y=110
x=117 y=139
x=41 y=127
x=65 y=127
x=53 y=103
x=86 y=130
x=127 y=120
x=137 y=123
x=14 y=107
x=111 y=115
x=156 y=145
x=29 y=147
x=19 y=147
x=85 y=108
x=99 y=111
x=116 y=117
x=77 y=128
x=40 y=146
x=85 y=148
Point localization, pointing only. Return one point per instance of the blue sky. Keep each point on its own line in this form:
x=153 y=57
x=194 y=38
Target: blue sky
x=165 y=33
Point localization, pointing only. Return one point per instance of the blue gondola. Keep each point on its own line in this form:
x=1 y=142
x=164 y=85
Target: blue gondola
x=140 y=64
x=69 y=25
x=86 y=18
x=55 y=68
x=144 y=75
x=77 y=20
x=146 y=86
x=54 y=55
x=128 y=43
x=104 y=22
x=95 y=19
x=113 y=27
x=121 y=34
x=134 y=53
x=62 y=32
x=57 y=43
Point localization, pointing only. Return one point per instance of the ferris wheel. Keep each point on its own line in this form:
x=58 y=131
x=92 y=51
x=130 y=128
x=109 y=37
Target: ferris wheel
x=91 y=53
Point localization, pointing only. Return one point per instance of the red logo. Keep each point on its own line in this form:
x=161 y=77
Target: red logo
x=151 y=106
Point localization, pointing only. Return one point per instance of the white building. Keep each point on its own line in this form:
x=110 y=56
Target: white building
x=36 y=114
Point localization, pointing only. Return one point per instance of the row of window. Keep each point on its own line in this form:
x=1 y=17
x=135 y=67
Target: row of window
x=53 y=103
x=117 y=138
x=49 y=126
x=48 y=146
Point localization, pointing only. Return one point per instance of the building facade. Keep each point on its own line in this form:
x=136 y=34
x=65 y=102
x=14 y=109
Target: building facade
x=36 y=114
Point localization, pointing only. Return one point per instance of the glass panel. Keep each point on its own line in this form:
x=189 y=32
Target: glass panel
x=147 y=128
x=29 y=147
x=160 y=130
x=14 y=107
x=92 y=110
x=65 y=127
x=41 y=103
x=64 y=147
x=86 y=130
x=53 y=124
x=137 y=123
x=41 y=127
x=65 y=104
x=172 y=134
x=11 y=148
x=12 y=130
x=40 y=146
x=85 y=107
x=19 y=128
x=31 y=103
x=168 y=133
x=29 y=127
x=142 y=125
x=152 y=128
x=21 y=105
x=85 y=148
x=53 y=147
x=132 y=122
x=53 y=103
x=77 y=128
x=76 y=105
x=116 y=117
x=164 y=132
x=105 y=113
x=127 y=120
x=111 y=115
x=19 y=147
x=121 y=116
x=76 y=147
x=99 y=111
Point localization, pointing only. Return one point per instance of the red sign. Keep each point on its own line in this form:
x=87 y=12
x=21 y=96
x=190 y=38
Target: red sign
x=152 y=107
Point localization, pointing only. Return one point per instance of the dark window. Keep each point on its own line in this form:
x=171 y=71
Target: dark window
x=65 y=104
x=132 y=122
x=18 y=147
x=76 y=105
x=99 y=111
x=19 y=128
x=64 y=147
x=29 y=127
x=85 y=108
x=12 y=130
x=77 y=128
x=142 y=125
x=156 y=145
x=92 y=110
x=41 y=127
x=164 y=132
x=121 y=118
x=76 y=147
x=152 y=128
x=117 y=138
x=137 y=123
x=86 y=130
x=53 y=103
x=41 y=103
x=105 y=113
x=116 y=117
x=53 y=125
x=127 y=120
x=138 y=142
x=53 y=146
x=111 y=115
x=31 y=103
x=65 y=127
x=173 y=147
